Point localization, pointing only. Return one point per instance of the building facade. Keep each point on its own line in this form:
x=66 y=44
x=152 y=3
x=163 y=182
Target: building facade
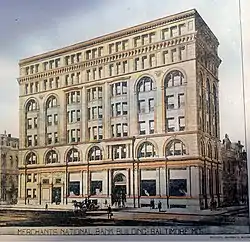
x=235 y=178
x=134 y=112
x=8 y=169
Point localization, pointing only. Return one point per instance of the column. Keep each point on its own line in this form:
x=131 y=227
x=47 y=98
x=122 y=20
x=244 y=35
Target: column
x=84 y=131
x=128 y=182
x=132 y=114
x=106 y=110
x=159 y=108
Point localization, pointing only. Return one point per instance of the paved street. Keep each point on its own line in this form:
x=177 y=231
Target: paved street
x=128 y=217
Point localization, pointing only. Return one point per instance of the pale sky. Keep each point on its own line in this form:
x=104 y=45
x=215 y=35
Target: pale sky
x=31 y=27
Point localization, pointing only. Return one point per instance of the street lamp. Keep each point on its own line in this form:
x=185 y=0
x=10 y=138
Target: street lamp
x=133 y=156
x=205 y=184
x=138 y=181
x=66 y=181
x=167 y=180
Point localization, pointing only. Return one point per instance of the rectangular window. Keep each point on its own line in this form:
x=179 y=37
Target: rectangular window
x=94 y=112
x=125 y=130
x=118 y=130
x=111 y=48
x=165 y=56
x=88 y=95
x=113 y=113
x=170 y=102
x=56 y=137
x=55 y=119
x=28 y=193
x=100 y=71
x=124 y=44
x=174 y=31
x=112 y=130
x=29 y=125
x=181 y=123
x=111 y=69
x=29 y=177
x=118 y=88
x=88 y=74
x=144 y=62
x=35 y=177
x=94 y=93
x=100 y=133
x=94 y=74
x=49 y=138
x=152 y=60
x=45 y=85
x=100 y=51
x=100 y=112
x=29 y=140
x=124 y=87
x=142 y=127
x=165 y=34
x=35 y=140
x=136 y=41
x=34 y=193
x=136 y=64
x=94 y=133
x=125 y=108
x=99 y=93
x=78 y=135
x=118 y=109
x=89 y=114
x=182 y=53
x=142 y=107
x=174 y=55
x=151 y=126
x=88 y=54
x=181 y=101
x=151 y=105
x=78 y=115
x=151 y=37
x=170 y=125
x=125 y=66
x=73 y=135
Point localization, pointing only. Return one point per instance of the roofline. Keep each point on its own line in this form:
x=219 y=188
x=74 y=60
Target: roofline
x=113 y=35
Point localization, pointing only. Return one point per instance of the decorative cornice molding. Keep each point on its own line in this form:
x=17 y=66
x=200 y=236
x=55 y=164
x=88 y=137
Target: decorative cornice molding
x=113 y=58
x=119 y=34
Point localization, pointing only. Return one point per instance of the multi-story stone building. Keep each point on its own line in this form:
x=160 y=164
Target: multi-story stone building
x=134 y=112
x=235 y=178
x=8 y=169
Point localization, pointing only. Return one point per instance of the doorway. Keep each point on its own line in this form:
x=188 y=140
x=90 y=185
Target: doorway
x=56 y=195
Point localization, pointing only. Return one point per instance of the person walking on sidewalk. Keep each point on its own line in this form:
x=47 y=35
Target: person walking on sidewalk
x=159 y=206
x=109 y=212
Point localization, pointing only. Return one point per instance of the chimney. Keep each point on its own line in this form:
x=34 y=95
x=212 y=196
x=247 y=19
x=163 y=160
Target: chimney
x=9 y=135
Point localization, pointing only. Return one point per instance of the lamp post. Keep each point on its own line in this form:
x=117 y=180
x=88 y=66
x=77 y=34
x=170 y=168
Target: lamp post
x=205 y=184
x=138 y=181
x=25 y=181
x=133 y=156
x=66 y=182
x=167 y=180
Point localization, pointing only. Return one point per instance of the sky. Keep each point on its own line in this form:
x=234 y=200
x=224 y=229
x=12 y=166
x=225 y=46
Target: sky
x=31 y=27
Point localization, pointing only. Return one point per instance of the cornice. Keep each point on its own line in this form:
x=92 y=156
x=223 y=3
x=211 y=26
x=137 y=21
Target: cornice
x=109 y=37
x=122 y=56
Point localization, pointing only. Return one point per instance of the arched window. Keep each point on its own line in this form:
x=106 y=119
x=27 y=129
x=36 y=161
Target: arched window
x=209 y=151
x=51 y=102
x=95 y=153
x=146 y=149
x=145 y=84
x=31 y=159
x=176 y=147
x=120 y=178
x=51 y=157
x=203 y=150
x=31 y=105
x=174 y=78
x=73 y=155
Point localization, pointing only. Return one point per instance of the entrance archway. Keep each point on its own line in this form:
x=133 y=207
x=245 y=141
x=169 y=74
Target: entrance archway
x=119 y=189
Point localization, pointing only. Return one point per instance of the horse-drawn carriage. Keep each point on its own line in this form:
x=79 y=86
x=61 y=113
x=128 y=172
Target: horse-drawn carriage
x=87 y=204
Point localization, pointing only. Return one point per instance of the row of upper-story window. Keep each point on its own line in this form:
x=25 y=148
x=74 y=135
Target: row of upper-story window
x=118 y=151
x=118 y=68
x=173 y=124
x=111 y=48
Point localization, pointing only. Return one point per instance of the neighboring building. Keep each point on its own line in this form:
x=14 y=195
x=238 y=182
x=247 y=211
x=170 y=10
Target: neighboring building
x=133 y=112
x=235 y=178
x=8 y=169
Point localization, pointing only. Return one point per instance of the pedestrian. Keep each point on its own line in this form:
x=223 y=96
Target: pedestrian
x=46 y=206
x=109 y=212
x=105 y=203
x=159 y=206
x=153 y=204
